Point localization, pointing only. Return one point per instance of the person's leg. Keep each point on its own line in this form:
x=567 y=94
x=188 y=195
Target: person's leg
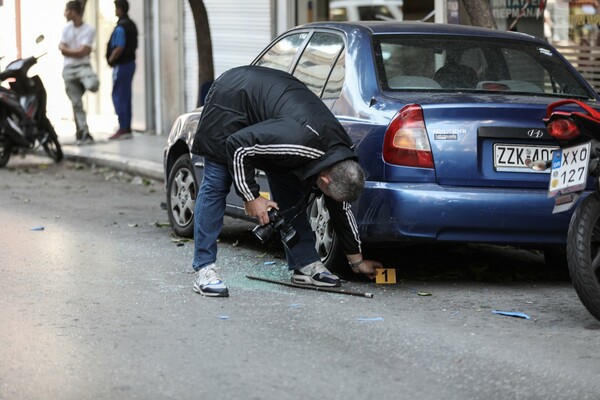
x=128 y=72
x=287 y=191
x=208 y=221
x=88 y=78
x=121 y=94
x=303 y=258
x=75 y=90
x=209 y=212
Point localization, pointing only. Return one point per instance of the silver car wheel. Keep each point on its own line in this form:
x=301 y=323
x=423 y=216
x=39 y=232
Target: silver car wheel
x=182 y=201
x=181 y=197
x=319 y=222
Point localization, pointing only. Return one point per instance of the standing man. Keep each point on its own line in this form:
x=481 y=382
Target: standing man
x=261 y=118
x=120 y=54
x=76 y=45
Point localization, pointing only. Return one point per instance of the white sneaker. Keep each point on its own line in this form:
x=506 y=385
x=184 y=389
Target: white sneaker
x=315 y=274
x=209 y=284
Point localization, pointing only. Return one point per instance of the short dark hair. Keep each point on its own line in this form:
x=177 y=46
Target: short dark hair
x=123 y=5
x=347 y=180
x=74 y=6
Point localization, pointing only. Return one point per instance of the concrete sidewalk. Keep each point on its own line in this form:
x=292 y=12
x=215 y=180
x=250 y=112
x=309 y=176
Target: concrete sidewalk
x=141 y=155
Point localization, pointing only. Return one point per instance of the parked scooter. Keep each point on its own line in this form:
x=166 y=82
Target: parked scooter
x=23 y=122
x=577 y=131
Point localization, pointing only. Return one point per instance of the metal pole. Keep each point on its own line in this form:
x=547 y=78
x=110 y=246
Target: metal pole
x=18 y=27
x=318 y=288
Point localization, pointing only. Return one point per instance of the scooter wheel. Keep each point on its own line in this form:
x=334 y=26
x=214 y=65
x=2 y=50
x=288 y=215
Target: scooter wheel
x=583 y=252
x=5 y=151
x=51 y=144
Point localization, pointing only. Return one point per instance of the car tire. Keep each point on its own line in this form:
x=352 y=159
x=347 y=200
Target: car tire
x=182 y=190
x=326 y=241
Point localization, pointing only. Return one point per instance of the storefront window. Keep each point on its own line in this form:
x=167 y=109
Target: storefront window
x=571 y=26
x=584 y=18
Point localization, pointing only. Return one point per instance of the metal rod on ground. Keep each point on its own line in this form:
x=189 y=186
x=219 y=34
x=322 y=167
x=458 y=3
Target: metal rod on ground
x=320 y=289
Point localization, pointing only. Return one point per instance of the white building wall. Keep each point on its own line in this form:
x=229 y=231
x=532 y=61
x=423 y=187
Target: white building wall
x=47 y=18
x=190 y=59
x=40 y=18
x=239 y=30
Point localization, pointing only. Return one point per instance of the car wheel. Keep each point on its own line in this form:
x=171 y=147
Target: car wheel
x=326 y=244
x=182 y=190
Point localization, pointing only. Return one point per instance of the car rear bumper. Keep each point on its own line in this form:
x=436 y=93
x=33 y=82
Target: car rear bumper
x=392 y=212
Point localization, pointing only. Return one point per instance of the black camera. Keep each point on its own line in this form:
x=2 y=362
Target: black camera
x=277 y=223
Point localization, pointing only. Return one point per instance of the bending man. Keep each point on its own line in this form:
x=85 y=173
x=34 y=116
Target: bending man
x=261 y=118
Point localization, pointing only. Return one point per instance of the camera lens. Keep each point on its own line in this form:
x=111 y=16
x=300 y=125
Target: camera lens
x=263 y=232
x=276 y=224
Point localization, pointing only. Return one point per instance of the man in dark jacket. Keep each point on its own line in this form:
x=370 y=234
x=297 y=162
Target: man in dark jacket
x=261 y=118
x=120 y=54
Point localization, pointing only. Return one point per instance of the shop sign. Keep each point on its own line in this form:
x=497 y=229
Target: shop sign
x=505 y=9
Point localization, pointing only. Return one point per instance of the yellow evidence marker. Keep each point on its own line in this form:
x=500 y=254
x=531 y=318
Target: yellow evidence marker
x=386 y=276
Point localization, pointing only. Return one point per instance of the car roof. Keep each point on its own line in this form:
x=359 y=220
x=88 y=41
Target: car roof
x=417 y=27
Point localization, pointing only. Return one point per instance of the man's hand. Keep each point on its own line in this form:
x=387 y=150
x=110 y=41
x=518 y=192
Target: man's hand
x=114 y=55
x=369 y=268
x=79 y=52
x=259 y=208
x=362 y=266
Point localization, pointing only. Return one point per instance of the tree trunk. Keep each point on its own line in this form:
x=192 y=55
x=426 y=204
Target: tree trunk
x=206 y=72
x=480 y=13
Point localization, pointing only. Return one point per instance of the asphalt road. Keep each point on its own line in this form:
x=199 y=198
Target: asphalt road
x=99 y=305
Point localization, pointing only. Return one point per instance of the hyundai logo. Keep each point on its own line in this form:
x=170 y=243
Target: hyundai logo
x=535 y=133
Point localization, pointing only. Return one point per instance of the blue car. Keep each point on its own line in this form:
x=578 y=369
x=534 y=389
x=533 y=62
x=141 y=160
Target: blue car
x=446 y=120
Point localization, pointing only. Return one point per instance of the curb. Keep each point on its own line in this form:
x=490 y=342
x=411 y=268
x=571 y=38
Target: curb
x=144 y=168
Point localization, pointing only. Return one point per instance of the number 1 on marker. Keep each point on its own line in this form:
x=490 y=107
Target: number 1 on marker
x=386 y=276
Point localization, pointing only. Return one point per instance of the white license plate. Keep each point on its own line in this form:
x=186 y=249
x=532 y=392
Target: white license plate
x=511 y=157
x=569 y=170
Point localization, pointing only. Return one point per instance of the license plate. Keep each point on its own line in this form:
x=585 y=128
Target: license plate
x=569 y=170
x=511 y=157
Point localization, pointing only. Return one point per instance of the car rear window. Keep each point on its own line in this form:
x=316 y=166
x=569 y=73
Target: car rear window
x=464 y=64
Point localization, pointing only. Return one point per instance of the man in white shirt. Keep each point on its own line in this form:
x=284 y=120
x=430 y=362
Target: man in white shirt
x=76 y=45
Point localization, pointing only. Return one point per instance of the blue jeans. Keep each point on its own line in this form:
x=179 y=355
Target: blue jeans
x=121 y=93
x=210 y=210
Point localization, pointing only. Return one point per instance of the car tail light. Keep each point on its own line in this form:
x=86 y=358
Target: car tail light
x=406 y=142
x=563 y=129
